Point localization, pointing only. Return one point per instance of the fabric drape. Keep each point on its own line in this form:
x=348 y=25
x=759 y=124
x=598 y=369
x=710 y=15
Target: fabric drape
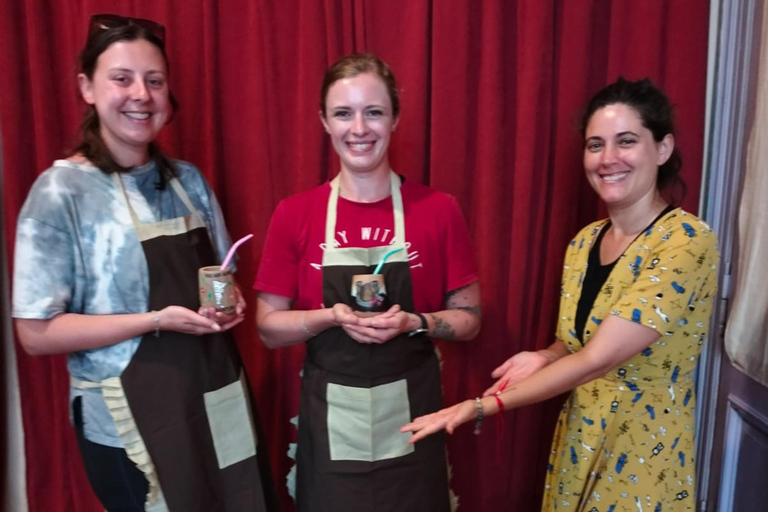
x=12 y=467
x=747 y=330
x=490 y=93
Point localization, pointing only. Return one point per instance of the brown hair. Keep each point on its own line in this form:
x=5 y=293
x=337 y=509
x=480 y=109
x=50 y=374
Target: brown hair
x=356 y=64
x=91 y=144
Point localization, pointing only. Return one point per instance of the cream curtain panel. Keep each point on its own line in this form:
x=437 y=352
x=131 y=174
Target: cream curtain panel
x=13 y=495
x=746 y=335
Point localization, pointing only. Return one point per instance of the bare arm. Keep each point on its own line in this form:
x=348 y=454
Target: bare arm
x=555 y=351
x=459 y=321
x=615 y=341
x=70 y=332
x=279 y=326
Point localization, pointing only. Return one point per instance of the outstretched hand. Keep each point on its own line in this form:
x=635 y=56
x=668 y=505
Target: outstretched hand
x=518 y=367
x=448 y=419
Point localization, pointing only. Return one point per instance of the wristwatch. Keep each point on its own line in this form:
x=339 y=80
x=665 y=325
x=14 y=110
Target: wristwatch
x=424 y=326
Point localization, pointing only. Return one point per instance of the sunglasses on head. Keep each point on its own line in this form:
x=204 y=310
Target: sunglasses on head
x=104 y=22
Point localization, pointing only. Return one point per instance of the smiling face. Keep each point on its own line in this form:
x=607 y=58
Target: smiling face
x=129 y=90
x=359 y=119
x=621 y=157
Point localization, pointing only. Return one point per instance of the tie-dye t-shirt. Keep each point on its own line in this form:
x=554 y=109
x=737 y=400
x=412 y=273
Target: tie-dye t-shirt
x=77 y=252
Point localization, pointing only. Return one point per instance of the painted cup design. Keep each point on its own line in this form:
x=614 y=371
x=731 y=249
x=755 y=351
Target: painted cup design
x=369 y=292
x=217 y=289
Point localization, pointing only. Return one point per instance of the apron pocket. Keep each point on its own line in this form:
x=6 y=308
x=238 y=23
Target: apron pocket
x=229 y=418
x=364 y=423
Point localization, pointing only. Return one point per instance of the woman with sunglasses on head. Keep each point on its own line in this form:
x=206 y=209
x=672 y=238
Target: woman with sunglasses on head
x=635 y=305
x=365 y=270
x=108 y=247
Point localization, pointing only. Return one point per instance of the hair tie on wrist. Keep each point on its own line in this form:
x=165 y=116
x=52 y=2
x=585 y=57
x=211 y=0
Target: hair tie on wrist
x=304 y=324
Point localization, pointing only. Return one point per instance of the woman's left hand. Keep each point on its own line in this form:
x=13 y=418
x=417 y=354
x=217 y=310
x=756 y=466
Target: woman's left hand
x=515 y=369
x=448 y=419
x=227 y=320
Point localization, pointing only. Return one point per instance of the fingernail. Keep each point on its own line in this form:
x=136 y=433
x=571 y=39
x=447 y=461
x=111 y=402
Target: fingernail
x=216 y=327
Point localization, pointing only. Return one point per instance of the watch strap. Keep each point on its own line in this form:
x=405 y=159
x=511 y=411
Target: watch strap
x=423 y=329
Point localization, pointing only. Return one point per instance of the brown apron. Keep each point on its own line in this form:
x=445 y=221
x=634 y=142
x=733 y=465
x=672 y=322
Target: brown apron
x=182 y=406
x=351 y=456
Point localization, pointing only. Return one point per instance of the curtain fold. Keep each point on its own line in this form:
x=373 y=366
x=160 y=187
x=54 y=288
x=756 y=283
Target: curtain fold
x=491 y=93
x=12 y=471
x=746 y=335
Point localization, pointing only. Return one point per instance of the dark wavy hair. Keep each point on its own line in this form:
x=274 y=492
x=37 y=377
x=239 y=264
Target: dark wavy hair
x=356 y=64
x=91 y=145
x=656 y=114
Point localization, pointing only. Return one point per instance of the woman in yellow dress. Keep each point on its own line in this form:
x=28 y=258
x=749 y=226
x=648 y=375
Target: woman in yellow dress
x=637 y=293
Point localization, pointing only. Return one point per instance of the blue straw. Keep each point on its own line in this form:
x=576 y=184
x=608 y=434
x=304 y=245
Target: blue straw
x=381 y=264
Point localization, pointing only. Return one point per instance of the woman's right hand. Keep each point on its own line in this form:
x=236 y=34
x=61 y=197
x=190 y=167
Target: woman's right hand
x=343 y=315
x=181 y=319
x=448 y=419
x=518 y=367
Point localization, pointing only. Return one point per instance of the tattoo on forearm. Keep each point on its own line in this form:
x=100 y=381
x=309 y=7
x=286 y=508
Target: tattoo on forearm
x=442 y=329
x=464 y=300
x=473 y=310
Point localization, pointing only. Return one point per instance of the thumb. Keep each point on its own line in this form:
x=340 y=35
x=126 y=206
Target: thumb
x=390 y=312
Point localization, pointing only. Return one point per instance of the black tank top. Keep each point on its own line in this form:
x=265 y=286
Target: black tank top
x=597 y=274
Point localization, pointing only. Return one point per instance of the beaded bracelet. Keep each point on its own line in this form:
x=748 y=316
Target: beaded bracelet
x=479 y=420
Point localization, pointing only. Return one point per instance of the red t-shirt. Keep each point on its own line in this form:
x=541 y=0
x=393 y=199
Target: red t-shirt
x=436 y=236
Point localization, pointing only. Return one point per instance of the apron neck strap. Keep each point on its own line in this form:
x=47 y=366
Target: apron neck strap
x=397 y=207
x=119 y=181
x=175 y=185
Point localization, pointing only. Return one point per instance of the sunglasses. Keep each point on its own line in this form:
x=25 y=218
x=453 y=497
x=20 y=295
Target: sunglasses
x=104 y=22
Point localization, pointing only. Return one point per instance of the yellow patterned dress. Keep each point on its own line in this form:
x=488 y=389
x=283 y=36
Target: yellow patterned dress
x=624 y=442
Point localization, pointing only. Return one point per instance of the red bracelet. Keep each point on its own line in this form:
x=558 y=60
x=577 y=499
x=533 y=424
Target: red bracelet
x=500 y=428
x=498 y=392
x=498 y=401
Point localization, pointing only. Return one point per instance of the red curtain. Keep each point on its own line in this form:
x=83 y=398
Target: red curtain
x=491 y=94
